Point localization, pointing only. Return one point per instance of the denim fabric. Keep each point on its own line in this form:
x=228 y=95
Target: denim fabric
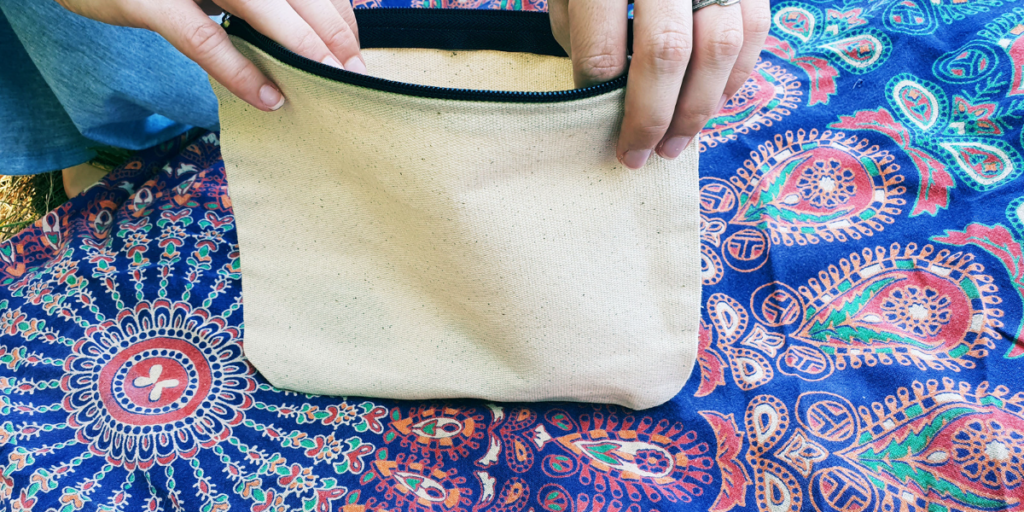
x=69 y=83
x=36 y=133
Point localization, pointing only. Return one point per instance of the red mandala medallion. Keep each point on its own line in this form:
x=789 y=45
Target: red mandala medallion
x=161 y=380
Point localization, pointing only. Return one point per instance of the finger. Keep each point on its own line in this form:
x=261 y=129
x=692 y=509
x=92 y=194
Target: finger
x=558 y=14
x=597 y=34
x=757 y=20
x=323 y=17
x=278 y=20
x=717 y=39
x=194 y=34
x=661 y=49
x=348 y=14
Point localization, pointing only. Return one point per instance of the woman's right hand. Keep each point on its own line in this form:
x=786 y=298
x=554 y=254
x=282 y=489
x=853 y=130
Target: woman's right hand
x=322 y=30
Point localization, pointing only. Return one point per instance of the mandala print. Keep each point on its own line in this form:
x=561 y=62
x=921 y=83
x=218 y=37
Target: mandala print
x=858 y=351
x=826 y=185
x=922 y=312
x=161 y=397
x=989 y=453
x=144 y=380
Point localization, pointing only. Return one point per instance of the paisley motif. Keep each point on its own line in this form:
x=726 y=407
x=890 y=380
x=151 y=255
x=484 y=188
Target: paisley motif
x=444 y=432
x=945 y=446
x=630 y=457
x=51 y=226
x=917 y=102
x=438 y=428
x=767 y=420
x=777 y=490
x=795 y=21
x=769 y=94
x=419 y=485
x=554 y=498
x=911 y=17
x=809 y=187
x=638 y=454
x=711 y=270
x=985 y=165
x=896 y=307
x=890 y=306
x=749 y=368
x=425 y=488
x=970 y=62
x=859 y=53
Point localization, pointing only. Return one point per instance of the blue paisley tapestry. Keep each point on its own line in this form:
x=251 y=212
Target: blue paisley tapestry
x=861 y=231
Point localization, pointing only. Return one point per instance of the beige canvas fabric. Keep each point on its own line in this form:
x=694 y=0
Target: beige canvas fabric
x=404 y=247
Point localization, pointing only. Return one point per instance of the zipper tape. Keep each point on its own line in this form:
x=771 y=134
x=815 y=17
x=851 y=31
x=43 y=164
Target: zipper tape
x=443 y=29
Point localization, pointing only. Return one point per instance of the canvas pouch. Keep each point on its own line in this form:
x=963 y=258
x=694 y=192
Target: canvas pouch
x=456 y=224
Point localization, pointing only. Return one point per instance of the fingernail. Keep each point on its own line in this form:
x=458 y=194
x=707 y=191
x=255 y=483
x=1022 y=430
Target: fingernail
x=721 y=103
x=674 y=147
x=635 y=158
x=271 y=97
x=355 y=65
x=331 y=61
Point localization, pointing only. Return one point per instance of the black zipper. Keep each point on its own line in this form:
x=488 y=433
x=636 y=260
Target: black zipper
x=445 y=29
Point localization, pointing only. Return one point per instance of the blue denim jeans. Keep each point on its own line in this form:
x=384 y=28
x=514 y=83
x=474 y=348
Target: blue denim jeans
x=68 y=84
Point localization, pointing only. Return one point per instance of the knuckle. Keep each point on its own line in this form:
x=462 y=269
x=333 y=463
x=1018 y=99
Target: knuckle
x=651 y=131
x=725 y=42
x=671 y=47
x=243 y=76
x=758 y=23
x=694 y=117
x=204 y=38
x=602 y=65
x=308 y=45
x=340 y=37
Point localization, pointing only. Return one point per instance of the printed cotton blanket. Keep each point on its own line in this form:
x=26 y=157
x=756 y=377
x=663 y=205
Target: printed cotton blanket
x=860 y=352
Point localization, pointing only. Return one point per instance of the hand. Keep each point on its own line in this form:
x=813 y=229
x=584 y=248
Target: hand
x=322 y=30
x=672 y=91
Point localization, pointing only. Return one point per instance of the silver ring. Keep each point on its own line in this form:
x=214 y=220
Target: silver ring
x=700 y=4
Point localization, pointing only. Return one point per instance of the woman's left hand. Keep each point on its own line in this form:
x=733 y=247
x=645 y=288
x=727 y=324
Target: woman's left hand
x=685 y=63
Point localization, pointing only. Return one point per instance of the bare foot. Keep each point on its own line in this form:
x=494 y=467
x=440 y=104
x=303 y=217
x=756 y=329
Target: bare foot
x=81 y=177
